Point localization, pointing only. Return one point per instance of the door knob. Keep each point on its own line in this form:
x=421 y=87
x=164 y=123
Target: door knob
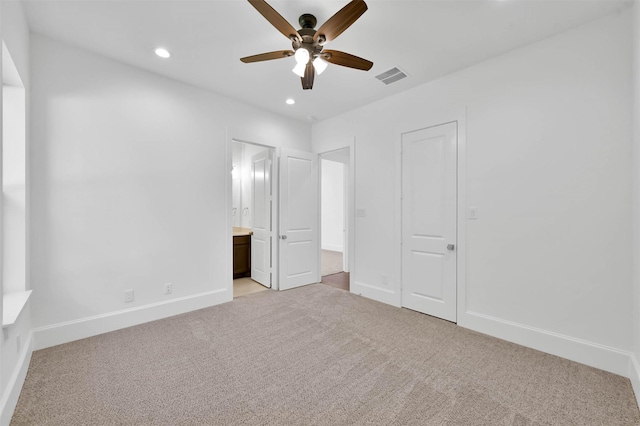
x=283 y=237
x=451 y=246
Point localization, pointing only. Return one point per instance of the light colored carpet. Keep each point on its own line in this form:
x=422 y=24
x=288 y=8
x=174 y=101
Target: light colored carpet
x=244 y=286
x=331 y=262
x=313 y=356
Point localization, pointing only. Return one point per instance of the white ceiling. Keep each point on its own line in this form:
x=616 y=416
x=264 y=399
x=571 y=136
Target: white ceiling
x=427 y=39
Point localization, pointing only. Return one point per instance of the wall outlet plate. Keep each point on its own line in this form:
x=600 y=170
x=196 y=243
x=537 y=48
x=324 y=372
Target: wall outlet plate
x=128 y=296
x=168 y=288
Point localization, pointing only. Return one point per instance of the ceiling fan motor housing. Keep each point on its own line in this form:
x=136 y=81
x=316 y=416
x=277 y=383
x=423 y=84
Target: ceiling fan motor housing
x=308 y=22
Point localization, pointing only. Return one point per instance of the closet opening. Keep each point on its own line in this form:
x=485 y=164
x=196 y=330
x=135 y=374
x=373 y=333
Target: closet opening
x=252 y=212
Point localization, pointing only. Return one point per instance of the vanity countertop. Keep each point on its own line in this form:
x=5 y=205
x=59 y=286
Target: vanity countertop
x=238 y=232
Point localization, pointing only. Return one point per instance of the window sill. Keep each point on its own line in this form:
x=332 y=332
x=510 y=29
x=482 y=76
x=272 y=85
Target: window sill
x=12 y=306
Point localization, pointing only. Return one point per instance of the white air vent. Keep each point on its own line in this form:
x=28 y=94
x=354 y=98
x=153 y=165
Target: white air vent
x=391 y=76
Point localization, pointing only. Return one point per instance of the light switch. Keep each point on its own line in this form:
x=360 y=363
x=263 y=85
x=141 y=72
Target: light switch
x=473 y=213
x=361 y=213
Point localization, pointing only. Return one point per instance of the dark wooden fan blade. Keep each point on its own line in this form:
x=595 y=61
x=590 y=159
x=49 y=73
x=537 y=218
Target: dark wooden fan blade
x=346 y=60
x=275 y=19
x=341 y=20
x=268 y=56
x=309 y=74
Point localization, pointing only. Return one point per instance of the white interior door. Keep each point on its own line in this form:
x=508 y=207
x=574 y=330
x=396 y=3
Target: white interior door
x=261 y=218
x=298 y=219
x=429 y=187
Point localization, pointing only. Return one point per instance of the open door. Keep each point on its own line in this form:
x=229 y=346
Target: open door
x=261 y=218
x=298 y=219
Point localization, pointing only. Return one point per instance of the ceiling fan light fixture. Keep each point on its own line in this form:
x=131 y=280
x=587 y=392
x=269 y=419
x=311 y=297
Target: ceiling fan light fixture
x=308 y=43
x=302 y=56
x=299 y=69
x=320 y=65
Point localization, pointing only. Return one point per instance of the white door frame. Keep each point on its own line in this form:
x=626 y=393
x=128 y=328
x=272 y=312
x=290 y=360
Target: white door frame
x=349 y=208
x=431 y=120
x=275 y=172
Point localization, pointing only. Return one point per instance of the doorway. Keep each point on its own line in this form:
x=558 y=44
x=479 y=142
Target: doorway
x=252 y=212
x=334 y=218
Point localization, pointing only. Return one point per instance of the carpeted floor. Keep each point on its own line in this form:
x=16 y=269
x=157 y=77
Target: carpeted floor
x=313 y=356
x=331 y=262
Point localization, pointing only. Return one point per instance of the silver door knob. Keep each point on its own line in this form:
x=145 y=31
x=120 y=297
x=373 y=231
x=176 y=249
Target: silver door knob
x=283 y=237
x=451 y=246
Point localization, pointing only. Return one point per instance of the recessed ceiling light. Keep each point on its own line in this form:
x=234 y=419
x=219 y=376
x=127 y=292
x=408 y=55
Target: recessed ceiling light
x=162 y=52
x=290 y=101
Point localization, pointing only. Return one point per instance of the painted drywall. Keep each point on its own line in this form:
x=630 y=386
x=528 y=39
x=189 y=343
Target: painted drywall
x=236 y=183
x=634 y=370
x=241 y=182
x=548 y=165
x=129 y=173
x=15 y=34
x=15 y=344
x=248 y=151
x=332 y=205
x=14 y=188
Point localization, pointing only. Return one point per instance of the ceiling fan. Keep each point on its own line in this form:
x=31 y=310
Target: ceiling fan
x=308 y=43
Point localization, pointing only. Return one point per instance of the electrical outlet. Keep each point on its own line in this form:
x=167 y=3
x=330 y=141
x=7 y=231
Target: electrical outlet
x=18 y=342
x=128 y=295
x=385 y=279
x=168 y=288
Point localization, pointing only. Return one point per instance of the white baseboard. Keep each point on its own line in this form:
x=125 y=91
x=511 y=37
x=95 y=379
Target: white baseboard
x=634 y=376
x=12 y=392
x=383 y=295
x=69 y=331
x=333 y=247
x=592 y=354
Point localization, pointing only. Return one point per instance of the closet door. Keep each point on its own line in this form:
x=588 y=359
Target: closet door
x=429 y=184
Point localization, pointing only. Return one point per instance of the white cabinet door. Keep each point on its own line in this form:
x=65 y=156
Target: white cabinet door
x=429 y=184
x=298 y=228
x=261 y=218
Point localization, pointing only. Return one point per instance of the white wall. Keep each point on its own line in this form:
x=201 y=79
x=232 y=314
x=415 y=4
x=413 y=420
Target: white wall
x=241 y=189
x=236 y=184
x=548 y=167
x=634 y=372
x=14 y=189
x=248 y=151
x=15 y=344
x=332 y=205
x=129 y=172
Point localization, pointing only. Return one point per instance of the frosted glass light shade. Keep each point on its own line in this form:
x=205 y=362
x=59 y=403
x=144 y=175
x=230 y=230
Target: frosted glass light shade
x=320 y=65
x=302 y=56
x=299 y=69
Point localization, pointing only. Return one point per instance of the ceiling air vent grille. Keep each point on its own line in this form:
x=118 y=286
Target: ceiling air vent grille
x=391 y=76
